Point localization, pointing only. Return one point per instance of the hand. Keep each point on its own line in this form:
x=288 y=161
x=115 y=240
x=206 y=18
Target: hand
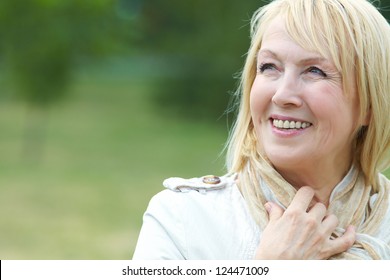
x=299 y=233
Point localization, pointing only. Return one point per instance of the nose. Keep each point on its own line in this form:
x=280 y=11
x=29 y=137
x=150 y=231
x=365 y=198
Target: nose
x=288 y=91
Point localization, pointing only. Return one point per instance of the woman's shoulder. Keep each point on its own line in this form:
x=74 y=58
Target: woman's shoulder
x=206 y=212
x=202 y=184
x=207 y=199
x=203 y=191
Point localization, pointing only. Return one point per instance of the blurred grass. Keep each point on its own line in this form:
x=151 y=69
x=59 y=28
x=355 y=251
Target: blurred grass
x=106 y=153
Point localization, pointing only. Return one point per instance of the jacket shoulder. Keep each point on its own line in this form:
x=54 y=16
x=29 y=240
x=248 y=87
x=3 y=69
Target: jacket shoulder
x=200 y=184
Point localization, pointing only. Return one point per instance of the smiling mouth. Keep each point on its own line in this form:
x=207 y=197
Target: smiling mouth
x=285 y=124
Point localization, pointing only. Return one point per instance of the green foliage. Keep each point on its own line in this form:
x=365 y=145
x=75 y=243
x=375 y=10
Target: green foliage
x=203 y=43
x=42 y=40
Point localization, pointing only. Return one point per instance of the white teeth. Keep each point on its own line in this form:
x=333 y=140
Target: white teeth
x=290 y=124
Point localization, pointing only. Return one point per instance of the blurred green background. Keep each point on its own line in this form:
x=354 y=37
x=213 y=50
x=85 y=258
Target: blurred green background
x=100 y=101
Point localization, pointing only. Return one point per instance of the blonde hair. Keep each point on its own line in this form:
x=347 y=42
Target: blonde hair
x=357 y=39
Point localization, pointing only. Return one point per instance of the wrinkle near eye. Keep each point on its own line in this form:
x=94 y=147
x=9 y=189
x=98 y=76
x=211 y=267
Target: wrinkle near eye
x=334 y=77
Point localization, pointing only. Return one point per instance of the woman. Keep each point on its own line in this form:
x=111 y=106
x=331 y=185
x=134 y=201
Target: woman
x=305 y=153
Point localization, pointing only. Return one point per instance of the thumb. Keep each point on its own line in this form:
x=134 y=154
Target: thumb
x=274 y=210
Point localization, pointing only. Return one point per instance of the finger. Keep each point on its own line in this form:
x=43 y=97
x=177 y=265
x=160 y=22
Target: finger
x=274 y=211
x=343 y=243
x=302 y=199
x=329 y=224
x=318 y=211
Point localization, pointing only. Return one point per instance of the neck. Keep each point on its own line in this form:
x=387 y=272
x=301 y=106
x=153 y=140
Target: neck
x=322 y=179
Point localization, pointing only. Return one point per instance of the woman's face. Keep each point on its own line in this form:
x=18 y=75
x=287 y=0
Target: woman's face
x=299 y=110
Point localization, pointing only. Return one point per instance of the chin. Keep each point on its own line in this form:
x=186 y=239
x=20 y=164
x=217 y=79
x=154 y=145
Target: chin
x=282 y=160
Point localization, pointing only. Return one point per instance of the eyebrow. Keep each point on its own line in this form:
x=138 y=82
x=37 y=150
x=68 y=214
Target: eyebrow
x=308 y=60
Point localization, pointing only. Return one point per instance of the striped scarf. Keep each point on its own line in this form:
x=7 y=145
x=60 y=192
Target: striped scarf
x=352 y=201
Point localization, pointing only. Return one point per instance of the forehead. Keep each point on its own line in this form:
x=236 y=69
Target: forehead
x=276 y=30
x=276 y=42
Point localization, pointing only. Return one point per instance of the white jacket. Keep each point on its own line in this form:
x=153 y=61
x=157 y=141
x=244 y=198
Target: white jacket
x=197 y=221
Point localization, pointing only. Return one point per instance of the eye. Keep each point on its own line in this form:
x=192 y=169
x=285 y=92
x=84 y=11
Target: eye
x=265 y=66
x=316 y=71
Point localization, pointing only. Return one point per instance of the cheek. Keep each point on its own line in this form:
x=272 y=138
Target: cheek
x=335 y=114
x=259 y=98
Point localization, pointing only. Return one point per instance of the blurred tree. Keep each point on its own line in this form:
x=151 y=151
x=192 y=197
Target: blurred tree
x=204 y=43
x=42 y=39
x=41 y=42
